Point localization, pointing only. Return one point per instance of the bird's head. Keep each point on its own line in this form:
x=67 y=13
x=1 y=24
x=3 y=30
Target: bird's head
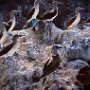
x=56 y=3
x=13 y=12
x=78 y=9
x=37 y=2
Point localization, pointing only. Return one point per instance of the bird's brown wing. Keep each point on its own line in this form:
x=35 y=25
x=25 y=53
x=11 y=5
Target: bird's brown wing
x=30 y=13
x=83 y=75
x=52 y=66
x=1 y=34
x=70 y=21
x=2 y=27
x=48 y=15
x=6 y=49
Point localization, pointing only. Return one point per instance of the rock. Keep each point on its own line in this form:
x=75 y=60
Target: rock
x=77 y=64
x=83 y=76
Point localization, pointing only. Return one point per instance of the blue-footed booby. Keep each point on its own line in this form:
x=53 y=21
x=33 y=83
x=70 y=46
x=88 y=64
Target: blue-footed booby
x=51 y=15
x=51 y=65
x=10 y=49
x=12 y=22
x=3 y=35
x=32 y=14
x=75 y=19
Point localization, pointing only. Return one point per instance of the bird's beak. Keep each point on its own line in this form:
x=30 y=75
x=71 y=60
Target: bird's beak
x=4 y=23
x=16 y=11
x=13 y=12
x=81 y=8
x=60 y=3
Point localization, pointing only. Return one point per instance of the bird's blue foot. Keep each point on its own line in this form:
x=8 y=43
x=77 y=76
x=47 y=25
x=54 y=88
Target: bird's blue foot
x=34 y=21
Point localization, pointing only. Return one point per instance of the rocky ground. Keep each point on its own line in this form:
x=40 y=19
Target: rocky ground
x=52 y=58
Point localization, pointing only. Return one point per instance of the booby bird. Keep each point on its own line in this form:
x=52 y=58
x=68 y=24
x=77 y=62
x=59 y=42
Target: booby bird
x=50 y=67
x=10 y=49
x=1 y=46
x=51 y=15
x=75 y=19
x=32 y=14
x=12 y=22
x=2 y=36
